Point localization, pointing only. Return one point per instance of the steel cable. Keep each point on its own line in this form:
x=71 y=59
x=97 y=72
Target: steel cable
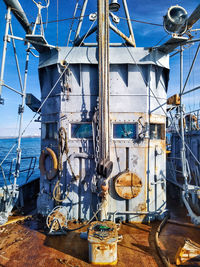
x=52 y=89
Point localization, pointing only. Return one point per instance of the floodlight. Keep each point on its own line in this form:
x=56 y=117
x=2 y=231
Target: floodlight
x=175 y=21
x=114 y=6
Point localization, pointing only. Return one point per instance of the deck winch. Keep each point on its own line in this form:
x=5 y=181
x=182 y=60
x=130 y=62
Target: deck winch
x=57 y=220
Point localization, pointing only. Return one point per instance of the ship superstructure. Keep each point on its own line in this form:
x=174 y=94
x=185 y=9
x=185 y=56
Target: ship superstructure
x=105 y=122
x=103 y=115
x=138 y=85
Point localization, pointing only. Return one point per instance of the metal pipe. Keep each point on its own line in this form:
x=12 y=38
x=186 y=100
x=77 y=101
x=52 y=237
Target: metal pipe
x=103 y=60
x=192 y=90
x=80 y=40
x=196 y=54
x=103 y=70
x=134 y=212
x=129 y=22
x=16 y=38
x=18 y=161
x=32 y=42
x=122 y=35
x=193 y=41
x=19 y=13
x=195 y=219
x=16 y=59
x=12 y=89
x=71 y=27
x=8 y=18
x=81 y=20
x=196 y=110
x=182 y=150
x=111 y=44
x=194 y=17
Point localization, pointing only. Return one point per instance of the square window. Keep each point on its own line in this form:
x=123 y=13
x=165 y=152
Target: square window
x=49 y=130
x=124 y=131
x=81 y=130
x=157 y=131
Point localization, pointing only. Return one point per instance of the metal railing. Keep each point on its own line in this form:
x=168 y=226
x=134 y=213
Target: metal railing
x=30 y=169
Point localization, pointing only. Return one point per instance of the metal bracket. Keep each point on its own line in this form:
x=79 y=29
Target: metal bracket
x=1 y=101
x=115 y=18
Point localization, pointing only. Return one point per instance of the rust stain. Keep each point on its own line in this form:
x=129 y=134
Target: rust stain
x=35 y=248
x=102 y=238
x=128 y=185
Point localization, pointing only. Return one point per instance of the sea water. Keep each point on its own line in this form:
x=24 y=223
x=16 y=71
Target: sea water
x=30 y=148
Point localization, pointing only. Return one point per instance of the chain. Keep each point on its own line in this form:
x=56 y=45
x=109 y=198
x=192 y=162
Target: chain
x=97 y=148
x=95 y=127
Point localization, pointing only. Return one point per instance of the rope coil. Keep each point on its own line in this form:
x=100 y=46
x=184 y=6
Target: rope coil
x=63 y=149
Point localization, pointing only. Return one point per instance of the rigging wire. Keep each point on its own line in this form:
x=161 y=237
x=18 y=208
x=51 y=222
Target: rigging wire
x=8 y=153
x=61 y=20
x=143 y=22
x=134 y=20
x=163 y=38
x=140 y=70
x=160 y=105
x=61 y=75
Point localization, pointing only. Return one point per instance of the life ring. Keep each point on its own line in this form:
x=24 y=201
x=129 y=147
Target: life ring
x=48 y=152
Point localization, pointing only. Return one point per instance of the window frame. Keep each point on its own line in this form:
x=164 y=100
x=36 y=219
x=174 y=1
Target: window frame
x=44 y=126
x=80 y=138
x=162 y=131
x=125 y=123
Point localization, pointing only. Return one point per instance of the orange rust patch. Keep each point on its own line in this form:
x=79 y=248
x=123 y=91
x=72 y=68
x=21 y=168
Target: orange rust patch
x=128 y=185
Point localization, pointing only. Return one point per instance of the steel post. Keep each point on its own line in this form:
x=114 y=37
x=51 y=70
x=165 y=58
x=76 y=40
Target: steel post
x=81 y=20
x=129 y=22
x=16 y=59
x=18 y=162
x=195 y=57
x=182 y=151
x=121 y=34
x=103 y=46
x=8 y=18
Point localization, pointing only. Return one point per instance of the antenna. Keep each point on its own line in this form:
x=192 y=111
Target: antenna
x=39 y=41
x=38 y=20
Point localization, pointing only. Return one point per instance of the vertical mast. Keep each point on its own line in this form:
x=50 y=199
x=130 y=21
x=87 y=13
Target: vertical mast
x=105 y=166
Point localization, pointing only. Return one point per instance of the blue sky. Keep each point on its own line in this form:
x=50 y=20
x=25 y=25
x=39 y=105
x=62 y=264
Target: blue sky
x=145 y=35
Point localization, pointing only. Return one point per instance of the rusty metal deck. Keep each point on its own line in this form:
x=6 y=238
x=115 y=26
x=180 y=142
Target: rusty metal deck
x=25 y=244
